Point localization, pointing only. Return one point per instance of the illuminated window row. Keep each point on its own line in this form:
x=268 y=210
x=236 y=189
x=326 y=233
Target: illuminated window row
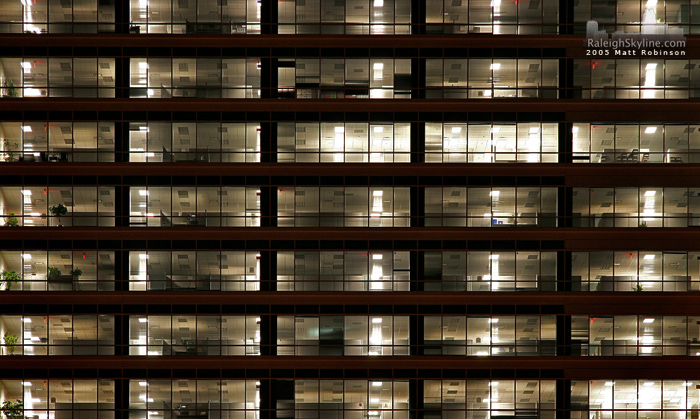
x=531 y=142
x=343 y=207
x=344 y=78
x=637 y=78
x=194 y=142
x=343 y=335
x=492 y=17
x=380 y=206
x=495 y=336
x=383 y=399
x=195 y=78
x=340 y=78
x=350 y=399
x=511 y=398
x=374 y=270
x=477 y=78
x=57 y=77
x=636 y=207
x=352 y=17
x=636 y=143
x=158 y=399
x=642 y=16
x=635 y=335
x=338 y=142
x=201 y=17
x=352 y=335
x=59 y=398
x=73 y=206
x=387 y=335
x=57 y=335
x=56 y=16
x=653 y=398
x=490 y=271
x=636 y=271
x=194 y=335
x=487 y=207
x=58 y=270
x=40 y=141
x=343 y=271
x=194 y=270
x=182 y=206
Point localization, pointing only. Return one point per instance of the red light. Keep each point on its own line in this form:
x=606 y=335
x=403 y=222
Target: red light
x=83 y=255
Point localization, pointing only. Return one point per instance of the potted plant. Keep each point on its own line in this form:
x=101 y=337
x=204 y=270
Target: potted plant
x=10 y=88
x=12 y=220
x=643 y=224
x=76 y=272
x=58 y=210
x=9 y=149
x=13 y=410
x=54 y=274
x=11 y=347
x=638 y=288
x=9 y=278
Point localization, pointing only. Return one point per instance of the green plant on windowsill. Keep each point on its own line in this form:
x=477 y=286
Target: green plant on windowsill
x=643 y=224
x=12 y=220
x=10 y=149
x=10 y=278
x=13 y=410
x=638 y=288
x=53 y=274
x=10 y=88
x=10 y=344
x=76 y=272
x=58 y=210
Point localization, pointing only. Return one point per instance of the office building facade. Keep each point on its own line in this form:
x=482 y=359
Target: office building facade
x=316 y=209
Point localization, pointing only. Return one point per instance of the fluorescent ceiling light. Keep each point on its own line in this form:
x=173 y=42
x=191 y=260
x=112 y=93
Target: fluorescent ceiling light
x=495 y=66
x=650 y=130
x=650 y=193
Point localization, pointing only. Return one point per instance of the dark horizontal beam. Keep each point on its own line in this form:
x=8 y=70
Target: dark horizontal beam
x=568 y=303
x=686 y=368
x=300 y=41
x=574 y=44
x=576 y=110
x=650 y=239
x=574 y=175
